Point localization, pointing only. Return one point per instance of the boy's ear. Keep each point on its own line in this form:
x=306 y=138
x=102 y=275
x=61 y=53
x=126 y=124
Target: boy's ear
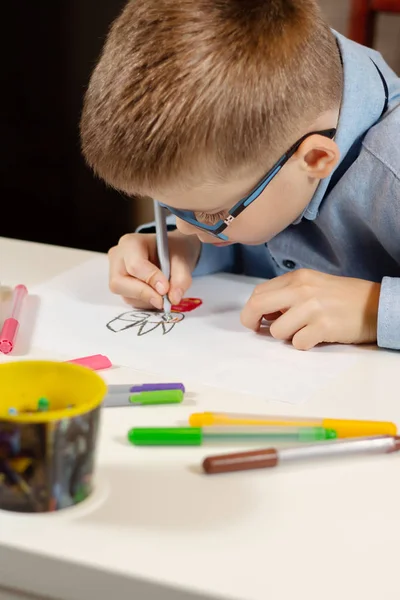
x=319 y=155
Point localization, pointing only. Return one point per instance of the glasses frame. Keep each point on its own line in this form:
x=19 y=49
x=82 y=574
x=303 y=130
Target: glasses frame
x=217 y=228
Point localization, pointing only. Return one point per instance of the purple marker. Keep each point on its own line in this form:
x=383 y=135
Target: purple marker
x=144 y=387
x=136 y=396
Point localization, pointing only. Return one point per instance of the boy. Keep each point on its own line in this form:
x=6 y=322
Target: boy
x=196 y=103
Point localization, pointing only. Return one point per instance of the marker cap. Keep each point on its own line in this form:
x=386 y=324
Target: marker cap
x=156 y=387
x=97 y=362
x=350 y=429
x=157 y=397
x=204 y=419
x=165 y=436
x=8 y=334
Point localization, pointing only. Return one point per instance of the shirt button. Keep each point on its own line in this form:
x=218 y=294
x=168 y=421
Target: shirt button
x=289 y=264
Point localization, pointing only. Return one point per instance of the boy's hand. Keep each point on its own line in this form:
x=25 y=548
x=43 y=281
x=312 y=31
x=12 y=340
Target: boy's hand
x=311 y=307
x=134 y=272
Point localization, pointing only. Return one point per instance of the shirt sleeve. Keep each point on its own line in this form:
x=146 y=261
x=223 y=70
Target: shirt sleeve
x=389 y=314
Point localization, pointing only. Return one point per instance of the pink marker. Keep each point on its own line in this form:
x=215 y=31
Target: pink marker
x=9 y=331
x=97 y=362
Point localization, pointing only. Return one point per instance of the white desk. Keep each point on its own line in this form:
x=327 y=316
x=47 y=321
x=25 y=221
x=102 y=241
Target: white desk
x=157 y=529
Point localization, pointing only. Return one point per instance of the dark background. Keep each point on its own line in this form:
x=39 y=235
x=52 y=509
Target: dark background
x=48 y=193
x=49 y=50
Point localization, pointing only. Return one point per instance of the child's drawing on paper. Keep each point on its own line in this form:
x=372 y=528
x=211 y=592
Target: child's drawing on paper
x=145 y=321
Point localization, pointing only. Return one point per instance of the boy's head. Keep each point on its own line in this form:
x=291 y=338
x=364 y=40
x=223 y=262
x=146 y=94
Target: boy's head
x=193 y=101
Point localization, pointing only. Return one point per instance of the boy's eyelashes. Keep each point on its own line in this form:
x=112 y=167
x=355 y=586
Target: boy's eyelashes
x=211 y=218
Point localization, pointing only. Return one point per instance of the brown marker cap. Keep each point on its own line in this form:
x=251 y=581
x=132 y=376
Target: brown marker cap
x=396 y=444
x=241 y=461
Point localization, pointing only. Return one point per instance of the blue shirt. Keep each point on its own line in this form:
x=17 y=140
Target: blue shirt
x=354 y=229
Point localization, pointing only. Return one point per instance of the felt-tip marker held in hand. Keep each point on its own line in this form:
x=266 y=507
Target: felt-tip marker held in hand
x=274 y=457
x=195 y=436
x=162 y=247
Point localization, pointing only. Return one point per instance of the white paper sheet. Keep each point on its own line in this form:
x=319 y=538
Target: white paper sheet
x=208 y=345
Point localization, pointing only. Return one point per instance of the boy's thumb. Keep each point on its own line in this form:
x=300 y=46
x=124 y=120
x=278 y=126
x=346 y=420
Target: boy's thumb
x=181 y=279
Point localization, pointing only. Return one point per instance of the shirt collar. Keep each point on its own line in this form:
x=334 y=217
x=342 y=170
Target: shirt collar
x=362 y=103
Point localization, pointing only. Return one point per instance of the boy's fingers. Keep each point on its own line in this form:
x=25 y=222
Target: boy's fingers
x=181 y=278
x=134 y=276
x=276 y=283
x=272 y=316
x=264 y=304
x=292 y=321
x=136 y=292
x=308 y=337
x=124 y=285
x=136 y=251
x=148 y=273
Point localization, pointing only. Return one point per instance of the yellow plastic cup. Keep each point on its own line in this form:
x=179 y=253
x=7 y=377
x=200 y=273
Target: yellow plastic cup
x=49 y=419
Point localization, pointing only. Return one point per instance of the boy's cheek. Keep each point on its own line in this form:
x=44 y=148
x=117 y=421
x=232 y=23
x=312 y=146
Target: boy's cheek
x=263 y=230
x=185 y=228
x=253 y=236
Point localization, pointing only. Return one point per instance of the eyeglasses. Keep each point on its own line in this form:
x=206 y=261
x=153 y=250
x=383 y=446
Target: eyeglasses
x=217 y=228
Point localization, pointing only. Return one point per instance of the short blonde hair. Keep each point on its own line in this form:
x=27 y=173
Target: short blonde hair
x=189 y=88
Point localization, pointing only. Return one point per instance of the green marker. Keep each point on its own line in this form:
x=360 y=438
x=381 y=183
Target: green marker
x=142 y=398
x=195 y=436
x=43 y=405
